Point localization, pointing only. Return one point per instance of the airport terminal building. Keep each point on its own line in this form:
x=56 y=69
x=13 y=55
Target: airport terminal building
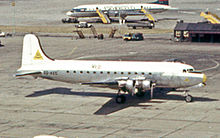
x=197 y=32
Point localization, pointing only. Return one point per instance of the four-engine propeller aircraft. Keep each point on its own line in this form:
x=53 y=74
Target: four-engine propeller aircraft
x=135 y=78
x=106 y=11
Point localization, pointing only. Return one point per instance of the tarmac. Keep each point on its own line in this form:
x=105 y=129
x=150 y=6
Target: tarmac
x=30 y=107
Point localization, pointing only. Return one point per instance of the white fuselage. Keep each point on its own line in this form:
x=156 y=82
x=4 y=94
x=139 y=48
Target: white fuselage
x=116 y=9
x=164 y=74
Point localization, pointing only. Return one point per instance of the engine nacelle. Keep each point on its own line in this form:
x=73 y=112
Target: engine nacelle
x=130 y=86
x=133 y=86
x=146 y=85
x=127 y=86
x=122 y=83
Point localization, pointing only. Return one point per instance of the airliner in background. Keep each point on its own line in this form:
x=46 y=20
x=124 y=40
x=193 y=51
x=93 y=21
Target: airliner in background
x=119 y=10
x=133 y=77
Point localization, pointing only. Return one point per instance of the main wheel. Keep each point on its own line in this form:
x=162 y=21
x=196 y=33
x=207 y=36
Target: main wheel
x=188 y=98
x=120 y=99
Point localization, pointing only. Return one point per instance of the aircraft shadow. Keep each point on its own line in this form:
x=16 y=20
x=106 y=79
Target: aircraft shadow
x=111 y=106
x=67 y=91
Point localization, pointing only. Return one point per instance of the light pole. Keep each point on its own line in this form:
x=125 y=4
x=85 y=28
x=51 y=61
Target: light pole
x=13 y=5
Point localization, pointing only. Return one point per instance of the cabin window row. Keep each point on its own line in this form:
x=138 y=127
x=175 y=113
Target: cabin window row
x=108 y=72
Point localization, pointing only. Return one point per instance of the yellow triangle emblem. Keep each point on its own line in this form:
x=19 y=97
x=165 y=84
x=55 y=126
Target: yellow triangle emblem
x=38 y=56
x=187 y=79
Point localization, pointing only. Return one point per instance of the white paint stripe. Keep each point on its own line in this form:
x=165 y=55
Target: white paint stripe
x=214 y=67
x=73 y=50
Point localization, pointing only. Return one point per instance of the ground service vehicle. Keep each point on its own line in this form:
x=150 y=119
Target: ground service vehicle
x=70 y=20
x=83 y=25
x=133 y=37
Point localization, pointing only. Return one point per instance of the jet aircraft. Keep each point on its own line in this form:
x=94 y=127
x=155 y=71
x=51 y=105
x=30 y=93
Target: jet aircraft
x=133 y=77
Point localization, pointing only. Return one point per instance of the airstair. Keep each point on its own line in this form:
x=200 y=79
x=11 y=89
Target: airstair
x=211 y=17
x=80 y=33
x=103 y=16
x=95 y=34
x=112 y=33
x=148 y=15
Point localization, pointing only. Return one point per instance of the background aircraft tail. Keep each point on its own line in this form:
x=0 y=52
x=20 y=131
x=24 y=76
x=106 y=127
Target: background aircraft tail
x=32 y=51
x=163 y=2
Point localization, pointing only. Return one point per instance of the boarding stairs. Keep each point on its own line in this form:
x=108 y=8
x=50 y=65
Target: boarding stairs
x=147 y=14
x=211 y=17
x=112 y=33
x=95 y=34
x=80 y=33
x=103 y=16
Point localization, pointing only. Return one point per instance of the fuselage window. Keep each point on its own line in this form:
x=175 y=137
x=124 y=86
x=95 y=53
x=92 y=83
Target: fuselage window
x=94 y=72
x=67 y=71
x=129 y=73
x=101 y=72
x=122 y=72
x=142 y=73
x=108 y=72
x=150 y=73
x=115 y=72
x=81 y=71
x=136 y=73
x=74 y=71
x=88 y=72
x=184 y=70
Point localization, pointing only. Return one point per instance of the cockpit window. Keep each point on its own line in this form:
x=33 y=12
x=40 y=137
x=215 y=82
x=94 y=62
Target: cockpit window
x=78 y=10
x=188 y=70
x=174 y=60
x=83 y=9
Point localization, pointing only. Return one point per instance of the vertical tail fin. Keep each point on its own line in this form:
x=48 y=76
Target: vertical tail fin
x=163 y=2
x=32 y=51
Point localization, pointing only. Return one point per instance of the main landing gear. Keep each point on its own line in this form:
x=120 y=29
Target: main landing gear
x=120 y=98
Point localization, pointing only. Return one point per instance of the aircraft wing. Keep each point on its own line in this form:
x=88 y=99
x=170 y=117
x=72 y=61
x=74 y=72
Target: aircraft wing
x=100 y=83
x=107 y=84
x=113 y=83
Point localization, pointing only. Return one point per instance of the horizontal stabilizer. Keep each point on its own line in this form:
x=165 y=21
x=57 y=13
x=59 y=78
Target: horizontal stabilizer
x=19 y=74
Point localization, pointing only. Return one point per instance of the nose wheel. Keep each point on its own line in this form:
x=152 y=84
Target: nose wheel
x=188 y=97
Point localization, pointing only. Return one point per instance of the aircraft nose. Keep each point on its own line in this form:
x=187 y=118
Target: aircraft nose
x=204 y=78
x=69 y=13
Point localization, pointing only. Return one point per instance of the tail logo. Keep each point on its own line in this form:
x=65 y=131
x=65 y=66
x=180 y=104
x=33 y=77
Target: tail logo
x=38 y=56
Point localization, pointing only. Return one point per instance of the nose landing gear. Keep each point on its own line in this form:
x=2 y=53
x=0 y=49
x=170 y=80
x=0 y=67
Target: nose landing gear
x=188 y=97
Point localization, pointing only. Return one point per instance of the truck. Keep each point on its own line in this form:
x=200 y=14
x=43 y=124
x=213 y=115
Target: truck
x=83 y=25
x=149 y=25
x=4 y=34
x=133 y=37
x=70 y=20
